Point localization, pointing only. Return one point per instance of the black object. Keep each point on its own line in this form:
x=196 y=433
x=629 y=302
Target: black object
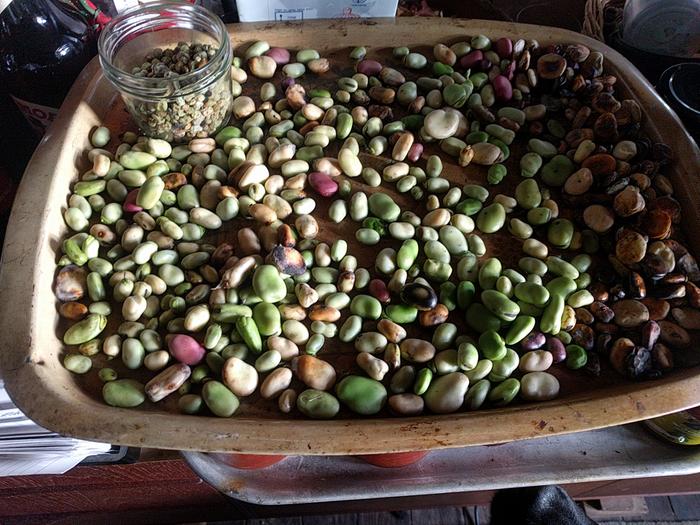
x=44 y=44
x=549 y=505
x=679 y=85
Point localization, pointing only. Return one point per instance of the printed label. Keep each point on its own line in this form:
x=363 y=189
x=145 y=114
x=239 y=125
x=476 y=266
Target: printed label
x=40 y=117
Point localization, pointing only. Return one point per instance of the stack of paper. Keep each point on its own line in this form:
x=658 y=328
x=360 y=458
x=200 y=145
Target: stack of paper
x=26 y=448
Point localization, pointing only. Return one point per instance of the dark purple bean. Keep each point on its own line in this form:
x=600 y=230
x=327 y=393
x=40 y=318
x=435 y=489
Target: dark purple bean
x=557 y=349
x=533 y=341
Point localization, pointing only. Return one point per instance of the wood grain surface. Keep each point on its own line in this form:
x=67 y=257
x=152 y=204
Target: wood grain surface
x=30 y=330
x=167 y=491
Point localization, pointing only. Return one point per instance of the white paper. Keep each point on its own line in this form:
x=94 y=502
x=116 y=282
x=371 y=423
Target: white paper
x=26 y=448
x=283 y=10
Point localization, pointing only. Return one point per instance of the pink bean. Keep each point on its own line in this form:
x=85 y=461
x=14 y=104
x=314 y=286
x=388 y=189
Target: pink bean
x=471 y=59
x=368 y=67
x=279 y=54
x=186 y=349
x=323 y=184
x=504 y=47
x=130 y=205
x=379 y=290
x=502 y=88
x=415 y=152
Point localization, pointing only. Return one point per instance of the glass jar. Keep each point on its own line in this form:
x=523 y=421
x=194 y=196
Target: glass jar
x=194 y=102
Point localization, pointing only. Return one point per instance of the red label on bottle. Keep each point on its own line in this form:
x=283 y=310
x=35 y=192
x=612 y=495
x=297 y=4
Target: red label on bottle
x=38 y=116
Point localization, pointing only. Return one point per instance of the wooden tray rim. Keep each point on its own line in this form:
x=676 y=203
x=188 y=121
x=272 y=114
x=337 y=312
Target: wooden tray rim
x=58 y=407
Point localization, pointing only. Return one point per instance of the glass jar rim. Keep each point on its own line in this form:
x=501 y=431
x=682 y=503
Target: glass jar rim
x=157 y=16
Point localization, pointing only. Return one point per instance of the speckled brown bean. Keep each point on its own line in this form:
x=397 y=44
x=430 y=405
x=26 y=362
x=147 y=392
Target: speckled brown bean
x=619 y=351
x=314 y=372
x=692 y=293
x=658 y=308
x=394 y=333
x=630 y=313
x=674 y=335
x=322 y=312
x=435 y=316
x=583 y=335
x=73 y=310
x=292 y=312
x=406 y=404
x=248 y=241
x=584 y=316
x=650 y=333
x=601 y=312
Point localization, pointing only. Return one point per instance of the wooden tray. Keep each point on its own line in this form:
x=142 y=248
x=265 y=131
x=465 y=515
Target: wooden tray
x=30 y=327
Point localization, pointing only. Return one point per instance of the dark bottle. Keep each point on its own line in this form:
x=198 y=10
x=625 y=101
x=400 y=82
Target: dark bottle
x=44 y=44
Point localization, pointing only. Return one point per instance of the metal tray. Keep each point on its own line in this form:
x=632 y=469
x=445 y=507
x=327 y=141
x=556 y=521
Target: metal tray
x=627 y=451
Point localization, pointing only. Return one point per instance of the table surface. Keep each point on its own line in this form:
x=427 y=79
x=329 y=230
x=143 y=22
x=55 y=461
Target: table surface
x=161 y=488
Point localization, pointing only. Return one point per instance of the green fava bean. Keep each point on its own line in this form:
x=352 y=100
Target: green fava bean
x=532 y=293
x=560 y=233
x=383 y=206
x=444 y=336
x=503 y=368
x=350 y=329
x=423 y=379
x=366 y=306
x=539 y=216
x=448 y=295
x=521 y=327
x=248 y=330
x=362 y=395
x=465 y=294
x=505 y=392
x=476 y=395
x=317 y=404
x=133 y=353
x=407 y=254
x=491 y=218
x=446 y=393
x=190 y=403
x=219 y=399
x=530 y=164
x=454 y=240
x=467 y=356
x=499 y=305
x=267 y=319
x=268 y=285
x=550 y=323
x=557 y=170
x=402 y=313
x=480 y=371
x=367 y=236
x=492 y=345
x=560 y=267
x=149 y=193
x=437 y=270
x=77 y=363
x=528 y=195
x=123 y=393
x=562 y=286
x=85 y=330
x=489 y=272
x=576 y=357
x=481 y=319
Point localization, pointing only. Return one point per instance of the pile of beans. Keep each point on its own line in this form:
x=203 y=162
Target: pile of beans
x=444 y=319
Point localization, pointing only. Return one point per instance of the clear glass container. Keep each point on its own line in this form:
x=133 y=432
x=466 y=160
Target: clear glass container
x=177 y=107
